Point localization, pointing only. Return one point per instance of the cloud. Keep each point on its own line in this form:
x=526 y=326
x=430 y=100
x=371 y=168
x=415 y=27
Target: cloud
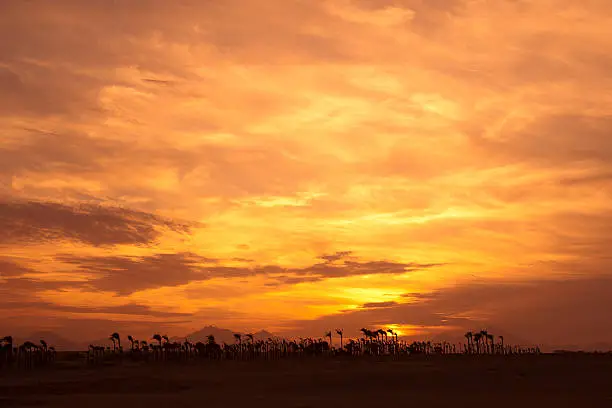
x=20 y=292
x=9 y=268
x=378 y=305
x=126 y=275
x=336 y=257
x=292 y=280
x=31 y=150
x=555 y=140
x=34 y=90
x=74 y=166
x=358 y=268
x=20 y=287
x=421 y=296
x=31 y=222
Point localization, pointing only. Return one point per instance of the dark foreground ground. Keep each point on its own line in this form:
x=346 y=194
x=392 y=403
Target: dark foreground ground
x=459 y=381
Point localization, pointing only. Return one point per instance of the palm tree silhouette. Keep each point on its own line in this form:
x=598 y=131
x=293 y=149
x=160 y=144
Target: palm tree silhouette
x=115 y=337
x=329 y=334
x=484 y=336
x=366 y=333
x=477 y=337
x=131 y=340
x=341 y=334
x=393 y=334
x=469 y=336
x=6 y=351
x=491 y=339
x=157 y=337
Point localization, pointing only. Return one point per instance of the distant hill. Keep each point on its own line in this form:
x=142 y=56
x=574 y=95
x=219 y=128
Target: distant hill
x=599 y=347
x=221 y=335
x=62 y=344
x=52 y=339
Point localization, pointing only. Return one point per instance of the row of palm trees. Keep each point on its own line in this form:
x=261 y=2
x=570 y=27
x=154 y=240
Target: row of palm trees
x=483 y=342
x=373 y=342
x=26 y=355
x=160 y=348
x=376 y=342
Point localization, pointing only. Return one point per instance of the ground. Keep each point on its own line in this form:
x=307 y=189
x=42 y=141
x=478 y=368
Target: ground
x=457 y=381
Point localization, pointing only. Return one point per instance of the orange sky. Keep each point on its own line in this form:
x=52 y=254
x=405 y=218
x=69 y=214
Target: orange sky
x=300 y=165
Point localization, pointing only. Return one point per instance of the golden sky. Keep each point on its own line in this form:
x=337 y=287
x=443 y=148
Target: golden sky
x=300 y=165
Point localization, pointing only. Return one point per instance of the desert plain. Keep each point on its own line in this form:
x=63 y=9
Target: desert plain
x=547 y=380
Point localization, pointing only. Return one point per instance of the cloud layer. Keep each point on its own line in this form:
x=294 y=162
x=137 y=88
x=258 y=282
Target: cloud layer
x=266 y=163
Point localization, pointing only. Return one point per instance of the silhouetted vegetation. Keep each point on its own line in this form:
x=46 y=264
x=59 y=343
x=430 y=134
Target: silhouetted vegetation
x=379 y=342
x=27 y=355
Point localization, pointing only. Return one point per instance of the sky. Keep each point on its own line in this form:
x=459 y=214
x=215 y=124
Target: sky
x=295 y=165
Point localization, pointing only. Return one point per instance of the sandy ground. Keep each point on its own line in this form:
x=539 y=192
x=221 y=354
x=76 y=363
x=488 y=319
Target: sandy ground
x=459 y=381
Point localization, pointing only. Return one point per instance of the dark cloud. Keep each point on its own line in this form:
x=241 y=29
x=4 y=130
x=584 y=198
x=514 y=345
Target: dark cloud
x=421 y=296
x=338 y=266
x=336 y=257
x=32 y=222
x=19 y=287
x=125 y=275
x=378 y=305
x=157 y=81
x=356 y=268
x=292 y=280
x=9 y=268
